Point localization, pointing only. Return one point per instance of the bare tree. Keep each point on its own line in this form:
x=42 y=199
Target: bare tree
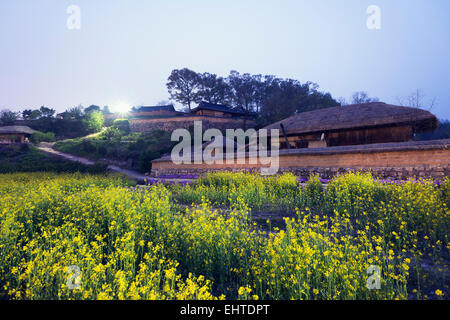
x=163 y=103
x=342 y=101
x=362 y=97
x=417 y=100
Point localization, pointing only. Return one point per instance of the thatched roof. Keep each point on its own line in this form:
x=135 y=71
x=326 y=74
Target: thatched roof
x=357 y=116
x=16 y=130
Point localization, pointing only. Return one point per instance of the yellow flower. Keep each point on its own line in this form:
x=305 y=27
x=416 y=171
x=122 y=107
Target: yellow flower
x=439 y=293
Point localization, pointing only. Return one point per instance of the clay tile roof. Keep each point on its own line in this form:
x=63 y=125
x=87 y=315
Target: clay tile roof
x=220 y=107
x=357 y=116
x=17 y=130
x=156 y=108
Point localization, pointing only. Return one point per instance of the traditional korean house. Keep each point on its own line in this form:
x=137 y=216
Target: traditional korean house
x=357 y=124
x=151 y=111
x=15 y=134
x=371 y=137
x=220 y=110
x=211 y=115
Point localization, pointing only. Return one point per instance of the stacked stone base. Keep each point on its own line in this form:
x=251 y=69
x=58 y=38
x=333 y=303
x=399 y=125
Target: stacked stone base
x=184 y=122
x=396 y=161
x=436 y=174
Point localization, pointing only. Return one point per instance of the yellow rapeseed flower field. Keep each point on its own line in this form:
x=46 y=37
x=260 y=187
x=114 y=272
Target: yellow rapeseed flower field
x=74 y=236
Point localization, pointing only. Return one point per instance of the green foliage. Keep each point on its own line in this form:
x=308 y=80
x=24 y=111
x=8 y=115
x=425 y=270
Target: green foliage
x=75 y=113
x=92 y=108
x=74 y=123
x=108 y=122
x=314 y=194
x=139 y=149
x=93 y=122
x=47 y=112
x=355 y=192
x=420 y=206
x=10 y=151
x=275 y=193
x=95 y=223
x=38 y=137
x=140 y=245
x=270 y=97
x=113 y=135
x=31 y=114
x=445 y=188
x=63 y=128
x=25 y=159
x=183 y=86
x=145 y=159
x=123 y=125
x=8 y=118
x=442 y=132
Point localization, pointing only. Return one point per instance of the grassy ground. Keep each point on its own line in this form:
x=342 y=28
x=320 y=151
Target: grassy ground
x=136 y=150
x=26 y=158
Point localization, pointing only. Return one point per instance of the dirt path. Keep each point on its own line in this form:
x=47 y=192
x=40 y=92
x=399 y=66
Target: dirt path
x=47 y=148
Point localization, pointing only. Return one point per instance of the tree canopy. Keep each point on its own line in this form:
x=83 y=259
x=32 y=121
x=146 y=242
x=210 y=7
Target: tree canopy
x=183 y=86
x=270 y=97
x=93 y=121
x=47 y=112
x=8 y=117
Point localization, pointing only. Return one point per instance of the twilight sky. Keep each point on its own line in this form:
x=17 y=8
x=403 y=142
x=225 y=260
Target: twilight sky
x=126 y=49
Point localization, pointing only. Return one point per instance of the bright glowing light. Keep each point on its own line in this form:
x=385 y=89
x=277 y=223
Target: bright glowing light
x=121 y=107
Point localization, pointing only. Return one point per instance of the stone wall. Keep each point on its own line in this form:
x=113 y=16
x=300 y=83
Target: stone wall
x=427 y=159
x=172 y=123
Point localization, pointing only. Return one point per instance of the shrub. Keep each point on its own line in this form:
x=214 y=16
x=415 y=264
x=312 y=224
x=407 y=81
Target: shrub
x=93 y=122
x=123 y=125
x=146 y=158
x=88 y=146
x=102 y=150
x=275 y=193
x=113 y=135
x=39 y=137
x=356 y=193
x=34 y=160
x=445 y=187
x=314 y=193
x=10 y=151
x=8 y=118
x=108 y=123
